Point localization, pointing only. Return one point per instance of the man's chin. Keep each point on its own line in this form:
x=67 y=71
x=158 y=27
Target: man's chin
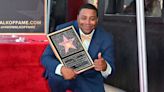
x=87 y=31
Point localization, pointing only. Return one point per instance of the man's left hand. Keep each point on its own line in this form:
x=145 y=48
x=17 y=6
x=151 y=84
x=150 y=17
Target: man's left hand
x=100 y=63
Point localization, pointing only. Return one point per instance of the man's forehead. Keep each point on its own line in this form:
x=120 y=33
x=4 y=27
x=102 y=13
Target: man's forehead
x=85 y=10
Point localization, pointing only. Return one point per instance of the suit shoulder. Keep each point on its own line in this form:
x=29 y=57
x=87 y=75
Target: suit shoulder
x=104 y=32
x=61 y=26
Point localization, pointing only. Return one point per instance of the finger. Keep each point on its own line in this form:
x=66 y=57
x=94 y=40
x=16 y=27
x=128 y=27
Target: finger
x=96 y=63
x=99 y=55
x=97 y=69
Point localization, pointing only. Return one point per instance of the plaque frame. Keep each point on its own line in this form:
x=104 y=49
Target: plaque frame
x=84 y=55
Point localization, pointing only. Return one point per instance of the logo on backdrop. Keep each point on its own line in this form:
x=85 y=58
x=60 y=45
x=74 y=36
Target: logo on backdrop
x=22 y=16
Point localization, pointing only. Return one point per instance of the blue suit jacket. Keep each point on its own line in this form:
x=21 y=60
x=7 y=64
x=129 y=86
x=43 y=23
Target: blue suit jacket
x=101 y=42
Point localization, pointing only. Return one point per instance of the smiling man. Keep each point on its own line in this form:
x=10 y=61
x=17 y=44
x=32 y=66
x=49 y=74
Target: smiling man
x=99 y=45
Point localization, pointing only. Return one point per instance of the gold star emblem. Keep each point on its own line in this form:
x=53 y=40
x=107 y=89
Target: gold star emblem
x=67 y=43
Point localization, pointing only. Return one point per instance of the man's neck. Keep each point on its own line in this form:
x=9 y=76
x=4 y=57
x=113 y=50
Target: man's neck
x=91 y=33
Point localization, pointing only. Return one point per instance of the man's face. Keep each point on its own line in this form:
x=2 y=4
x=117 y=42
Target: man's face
x=87 y=20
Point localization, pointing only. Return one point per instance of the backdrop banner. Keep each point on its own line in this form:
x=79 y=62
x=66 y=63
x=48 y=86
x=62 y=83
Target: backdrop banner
x=23 y=16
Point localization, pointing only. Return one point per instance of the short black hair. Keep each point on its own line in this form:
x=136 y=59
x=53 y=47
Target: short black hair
x=88 y=6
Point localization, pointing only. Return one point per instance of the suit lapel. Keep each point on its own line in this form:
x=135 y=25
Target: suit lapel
x=94 y=45
x=76 y=27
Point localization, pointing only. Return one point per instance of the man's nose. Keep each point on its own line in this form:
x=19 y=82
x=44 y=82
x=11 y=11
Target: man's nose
x=88 y=21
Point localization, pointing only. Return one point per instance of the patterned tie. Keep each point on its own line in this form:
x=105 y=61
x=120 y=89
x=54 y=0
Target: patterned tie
x=85 y=37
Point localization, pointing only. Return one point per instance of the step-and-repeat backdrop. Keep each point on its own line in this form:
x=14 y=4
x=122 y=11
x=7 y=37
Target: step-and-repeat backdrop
x=23 y=16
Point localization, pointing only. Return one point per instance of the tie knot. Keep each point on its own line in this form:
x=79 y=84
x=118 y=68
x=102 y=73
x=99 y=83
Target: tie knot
x=85 y=37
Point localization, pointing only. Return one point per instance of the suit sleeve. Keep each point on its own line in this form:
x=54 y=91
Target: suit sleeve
x=49 y=60
x=108 y=51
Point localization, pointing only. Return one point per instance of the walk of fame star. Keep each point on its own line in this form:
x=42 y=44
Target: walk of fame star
x=67 y=43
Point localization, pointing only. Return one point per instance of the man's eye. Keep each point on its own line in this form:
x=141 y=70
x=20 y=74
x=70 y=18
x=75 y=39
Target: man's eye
x=93 y=18
x=83 y=18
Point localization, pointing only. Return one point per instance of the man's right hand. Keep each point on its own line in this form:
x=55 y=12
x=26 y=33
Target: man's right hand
x=68 y=73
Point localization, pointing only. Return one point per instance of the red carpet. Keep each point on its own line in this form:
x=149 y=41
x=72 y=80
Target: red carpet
x=20 y=66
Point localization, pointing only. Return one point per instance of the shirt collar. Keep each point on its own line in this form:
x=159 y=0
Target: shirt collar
x=82 y=33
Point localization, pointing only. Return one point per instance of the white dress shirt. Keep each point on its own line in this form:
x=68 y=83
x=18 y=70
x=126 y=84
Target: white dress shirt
x=86 y=44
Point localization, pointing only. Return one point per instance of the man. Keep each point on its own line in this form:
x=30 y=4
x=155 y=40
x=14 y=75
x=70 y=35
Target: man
x=100 y=48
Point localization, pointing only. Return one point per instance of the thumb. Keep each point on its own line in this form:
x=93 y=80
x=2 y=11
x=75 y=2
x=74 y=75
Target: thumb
x=99 y=55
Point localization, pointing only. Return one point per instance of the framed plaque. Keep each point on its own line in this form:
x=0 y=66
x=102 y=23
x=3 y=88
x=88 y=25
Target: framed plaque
x=68 y=48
